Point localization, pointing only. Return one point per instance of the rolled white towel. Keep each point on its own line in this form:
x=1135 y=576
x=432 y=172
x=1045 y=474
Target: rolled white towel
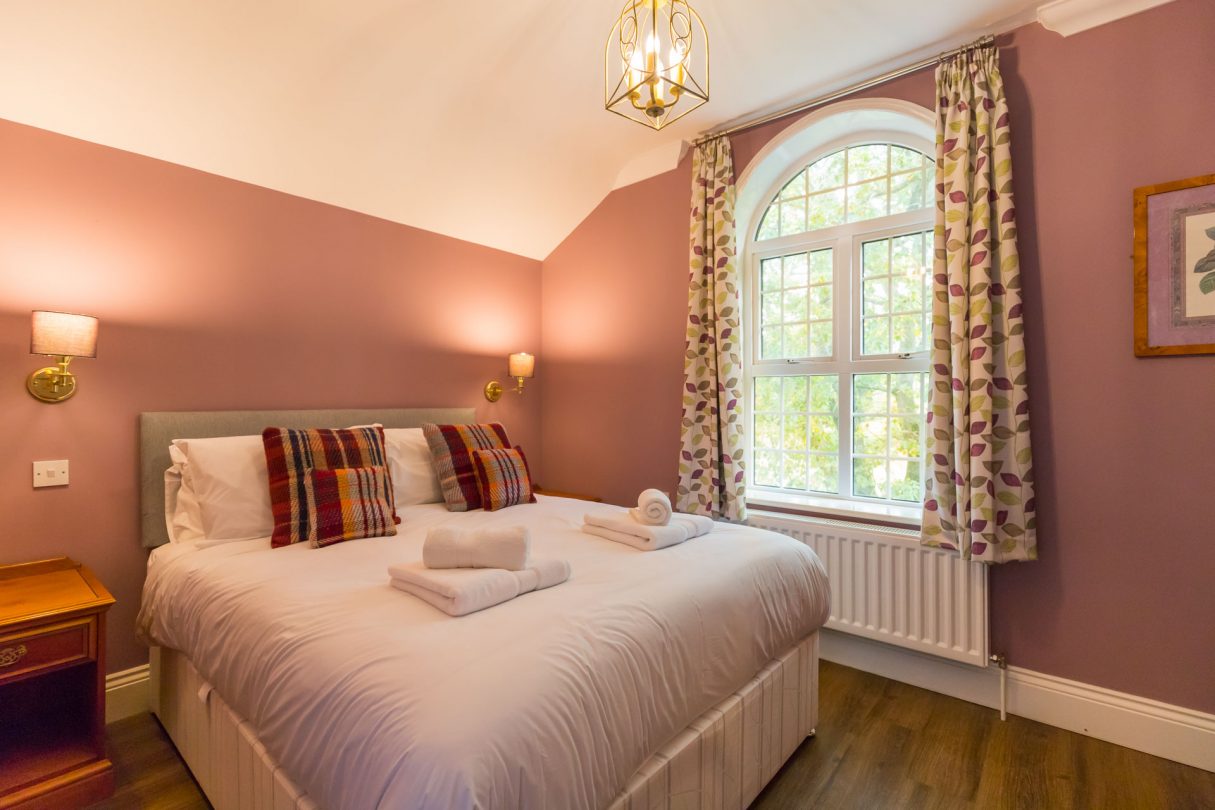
x=506 y=547
x=458 y=592
x=653 y=508
x=623 y=529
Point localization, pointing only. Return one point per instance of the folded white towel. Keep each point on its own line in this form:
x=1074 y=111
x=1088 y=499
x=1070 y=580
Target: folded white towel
x=458 y=592
x=624 y=529
x=449 y=547
x=653 y=508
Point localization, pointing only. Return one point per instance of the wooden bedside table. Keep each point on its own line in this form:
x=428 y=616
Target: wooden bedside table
x=52 y=686
x=556 y=494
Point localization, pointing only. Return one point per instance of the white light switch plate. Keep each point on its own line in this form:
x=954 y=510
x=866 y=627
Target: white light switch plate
x=51 y=473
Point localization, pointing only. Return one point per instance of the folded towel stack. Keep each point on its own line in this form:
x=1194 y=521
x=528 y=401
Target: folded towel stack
x=449 y=547
x=458 y=592
x=653 y=508
x=624 y=529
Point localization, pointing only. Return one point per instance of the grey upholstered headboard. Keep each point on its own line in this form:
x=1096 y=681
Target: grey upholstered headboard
x=158 y=430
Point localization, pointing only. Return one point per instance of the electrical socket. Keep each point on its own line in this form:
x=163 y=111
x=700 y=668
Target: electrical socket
x=51 y=473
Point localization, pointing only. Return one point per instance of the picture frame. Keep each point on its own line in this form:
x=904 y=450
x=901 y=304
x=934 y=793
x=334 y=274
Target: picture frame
x=1174 y=258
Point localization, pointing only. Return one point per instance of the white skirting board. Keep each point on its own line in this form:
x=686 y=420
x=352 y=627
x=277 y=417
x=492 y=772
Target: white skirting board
x=1163 y=730
x=1176 y=733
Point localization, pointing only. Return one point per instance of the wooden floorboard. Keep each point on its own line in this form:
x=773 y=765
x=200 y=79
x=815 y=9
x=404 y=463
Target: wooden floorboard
x=880 y=744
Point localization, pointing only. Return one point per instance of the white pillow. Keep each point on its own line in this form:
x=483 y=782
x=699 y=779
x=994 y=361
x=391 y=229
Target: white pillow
x=228 y=476
x=414 y=479
x=183 y=519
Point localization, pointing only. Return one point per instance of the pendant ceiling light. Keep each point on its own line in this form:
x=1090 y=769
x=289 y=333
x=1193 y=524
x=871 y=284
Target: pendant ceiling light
x=654 y=60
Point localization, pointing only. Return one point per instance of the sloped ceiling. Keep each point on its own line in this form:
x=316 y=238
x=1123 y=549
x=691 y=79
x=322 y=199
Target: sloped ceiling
x=481 y=120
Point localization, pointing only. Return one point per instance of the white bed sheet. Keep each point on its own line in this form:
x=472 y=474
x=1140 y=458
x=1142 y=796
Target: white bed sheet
x=371 y=698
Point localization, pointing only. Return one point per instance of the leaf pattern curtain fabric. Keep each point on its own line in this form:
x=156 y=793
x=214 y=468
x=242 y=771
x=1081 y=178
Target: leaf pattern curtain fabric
x=711 y=437
x=979 y=496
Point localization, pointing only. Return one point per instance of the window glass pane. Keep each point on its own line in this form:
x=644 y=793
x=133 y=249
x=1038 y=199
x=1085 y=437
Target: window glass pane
x=826 y=172
x=825 y=434
x=767 y=393
x=895 y=294
x=767 y=431
x=820 y=339
x=797 y=187
x=769 y=275
x=795 y=304
x=866 y=162
x=770 y=309
x=769 y=342
x=767 y=468
x=869 y=477
x=797 y=431
x=769 y=227
x=820 y=303
x=903 y=159
x=875 y=338
x=888 y=434
x=906 y=192
x=797 y=340
x=795 y=270
x=825 y=209
x=792 y=217
x=820 y=267
x=824 y=473
x=794 y=471
x=796 y=394
x=867 y=200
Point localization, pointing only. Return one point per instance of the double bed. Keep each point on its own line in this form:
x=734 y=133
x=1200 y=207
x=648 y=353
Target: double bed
x=298 y=677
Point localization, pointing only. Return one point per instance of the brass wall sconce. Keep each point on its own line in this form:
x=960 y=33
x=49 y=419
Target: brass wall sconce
x=521 y=366
x=62 y=335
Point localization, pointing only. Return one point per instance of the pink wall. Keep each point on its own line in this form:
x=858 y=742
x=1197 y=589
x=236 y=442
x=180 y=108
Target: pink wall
x=215 y=294
x=1124 y=447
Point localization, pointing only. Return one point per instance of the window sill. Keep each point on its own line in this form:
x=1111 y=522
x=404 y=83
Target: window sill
x=903 y=517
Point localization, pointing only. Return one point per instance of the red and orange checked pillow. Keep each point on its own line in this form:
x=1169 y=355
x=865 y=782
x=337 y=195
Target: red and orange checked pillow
x=452 y=448
x=348 y=504
x=503 y=478
x=292 y=455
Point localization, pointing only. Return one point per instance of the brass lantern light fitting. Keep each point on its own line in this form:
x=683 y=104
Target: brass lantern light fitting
x=656 y=62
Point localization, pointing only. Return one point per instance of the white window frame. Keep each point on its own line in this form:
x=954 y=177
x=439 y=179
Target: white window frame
x=846 y=359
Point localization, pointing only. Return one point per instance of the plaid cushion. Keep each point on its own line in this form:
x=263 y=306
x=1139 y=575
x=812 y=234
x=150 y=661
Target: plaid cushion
x=503 y=478
x=292 y=454
x=451 y=447
x=348 y=504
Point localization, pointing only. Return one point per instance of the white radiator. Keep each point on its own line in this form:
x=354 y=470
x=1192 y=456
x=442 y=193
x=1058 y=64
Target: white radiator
x=886 y=586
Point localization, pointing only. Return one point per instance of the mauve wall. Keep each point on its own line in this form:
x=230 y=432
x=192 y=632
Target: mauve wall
x=215 y=294
x=1124 y=447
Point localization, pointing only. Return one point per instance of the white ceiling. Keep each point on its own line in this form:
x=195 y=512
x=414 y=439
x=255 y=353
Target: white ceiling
x=482 y=120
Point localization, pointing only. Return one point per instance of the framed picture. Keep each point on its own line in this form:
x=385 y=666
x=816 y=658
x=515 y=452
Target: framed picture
x=1175 y=267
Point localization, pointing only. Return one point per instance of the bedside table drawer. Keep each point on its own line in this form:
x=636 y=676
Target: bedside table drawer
x=47 y=647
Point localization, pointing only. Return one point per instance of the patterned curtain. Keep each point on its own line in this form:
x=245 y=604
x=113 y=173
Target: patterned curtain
x=979 y=496
x=711 y=438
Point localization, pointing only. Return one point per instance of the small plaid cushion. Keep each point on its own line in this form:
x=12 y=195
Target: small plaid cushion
x=348 y=504
x=451 y=447
x=291 y=454
x=503 y=478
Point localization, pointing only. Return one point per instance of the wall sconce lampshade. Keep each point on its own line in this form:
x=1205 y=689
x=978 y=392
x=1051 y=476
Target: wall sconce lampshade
x=519 y=365
x=522 y=365
x=62 y=335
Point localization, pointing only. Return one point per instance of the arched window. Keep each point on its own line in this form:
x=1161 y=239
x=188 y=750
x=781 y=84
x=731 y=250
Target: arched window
x=839 y=318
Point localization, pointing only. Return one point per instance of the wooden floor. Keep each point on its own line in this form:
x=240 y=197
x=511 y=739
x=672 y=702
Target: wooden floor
x=880 y=744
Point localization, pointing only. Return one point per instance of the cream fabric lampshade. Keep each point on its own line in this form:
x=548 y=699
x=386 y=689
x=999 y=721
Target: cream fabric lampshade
x=61 y=333
x=522 y=364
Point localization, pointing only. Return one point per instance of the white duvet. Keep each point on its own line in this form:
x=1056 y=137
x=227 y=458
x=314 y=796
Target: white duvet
x=370 y=698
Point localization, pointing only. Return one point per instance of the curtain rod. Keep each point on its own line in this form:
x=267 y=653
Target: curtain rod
x=847 y=91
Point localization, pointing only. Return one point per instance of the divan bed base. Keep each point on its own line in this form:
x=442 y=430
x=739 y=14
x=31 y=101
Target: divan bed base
x=720 y=762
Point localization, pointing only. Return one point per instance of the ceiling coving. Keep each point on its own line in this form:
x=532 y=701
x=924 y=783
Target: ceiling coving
x=656 y=62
